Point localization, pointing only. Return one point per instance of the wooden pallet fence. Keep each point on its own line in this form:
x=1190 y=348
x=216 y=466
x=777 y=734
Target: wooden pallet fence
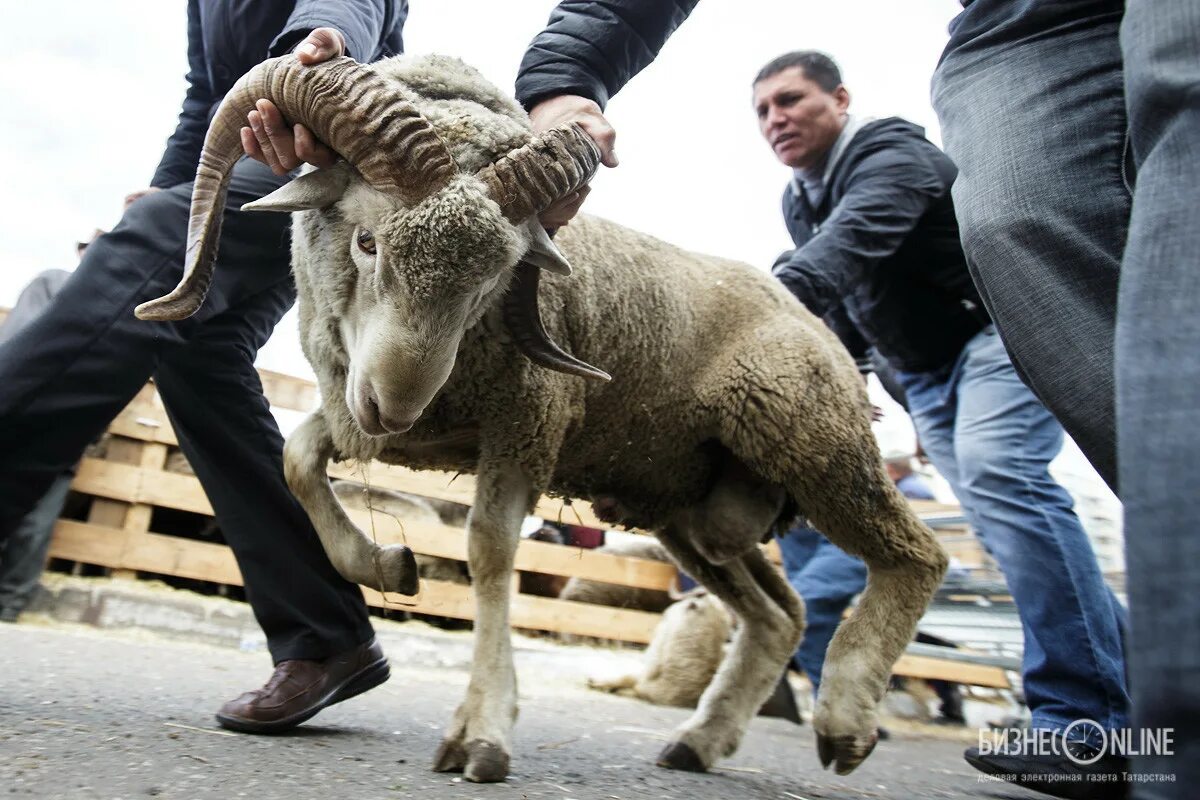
x=130 y=482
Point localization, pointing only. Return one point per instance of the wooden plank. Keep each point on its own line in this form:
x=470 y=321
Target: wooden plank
x=87 y=543
x=553 y=559
x=457 y=488
x=108 y=480
x=145 y=422
x=911 y=666
x=585 y=619
x=444 y=599
x=934 y=507
x=288 y=391
x=183 y=492
x=185 y=558
x=147 y=552
x=173 y=490
x=169 y=555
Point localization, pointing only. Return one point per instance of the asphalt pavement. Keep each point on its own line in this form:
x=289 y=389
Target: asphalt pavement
x=123 y=713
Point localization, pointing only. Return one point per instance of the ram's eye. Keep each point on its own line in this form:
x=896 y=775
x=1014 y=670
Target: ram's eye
x=366 y=242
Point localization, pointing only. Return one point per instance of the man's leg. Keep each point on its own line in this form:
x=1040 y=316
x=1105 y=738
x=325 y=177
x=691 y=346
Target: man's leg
x=1004 y=442
x=1031 y=102
x=827 y=579
x=23 y=554
x=214 y=398
x=66 y=374
x=1158 y=383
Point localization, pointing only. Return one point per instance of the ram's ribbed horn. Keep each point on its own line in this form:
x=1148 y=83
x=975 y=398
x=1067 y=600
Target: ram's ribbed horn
x=527 y=180
x=346 y=105
x=523 y=183
x=525 y=324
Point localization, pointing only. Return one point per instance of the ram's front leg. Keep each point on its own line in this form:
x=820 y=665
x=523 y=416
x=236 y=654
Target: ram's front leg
x=478 y=740
x=356 y=558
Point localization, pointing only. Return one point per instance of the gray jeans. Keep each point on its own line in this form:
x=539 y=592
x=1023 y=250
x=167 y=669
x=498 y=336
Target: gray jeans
x=1076 y=127
x=23 y=553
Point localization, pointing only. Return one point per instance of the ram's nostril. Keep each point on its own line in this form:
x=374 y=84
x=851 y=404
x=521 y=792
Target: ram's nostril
x=370 y=400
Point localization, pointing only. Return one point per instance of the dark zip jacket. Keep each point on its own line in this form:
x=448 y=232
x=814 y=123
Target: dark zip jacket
x=228 y=37
x=593 y=47
x=883 y=245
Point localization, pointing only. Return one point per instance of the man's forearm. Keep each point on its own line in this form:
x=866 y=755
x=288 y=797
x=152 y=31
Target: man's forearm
x=593 y=48
x=361 y=23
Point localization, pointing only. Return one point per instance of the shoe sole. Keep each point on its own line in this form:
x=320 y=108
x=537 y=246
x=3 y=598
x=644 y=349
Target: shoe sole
x=368 y=678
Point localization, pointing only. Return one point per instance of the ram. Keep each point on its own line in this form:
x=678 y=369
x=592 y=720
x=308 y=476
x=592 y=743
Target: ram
x=421 y=266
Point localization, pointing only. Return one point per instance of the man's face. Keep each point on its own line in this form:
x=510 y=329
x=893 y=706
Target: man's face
x=798 y=118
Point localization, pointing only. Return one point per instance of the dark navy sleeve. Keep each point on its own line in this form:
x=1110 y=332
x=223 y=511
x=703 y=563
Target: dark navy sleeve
x=178 y=164
x=361 y=22
x=887 y=192
x=594 y=47
x=839 y=321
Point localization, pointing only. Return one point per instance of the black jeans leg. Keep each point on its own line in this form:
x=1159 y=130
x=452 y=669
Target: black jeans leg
x=65 y=375
x=214 y=398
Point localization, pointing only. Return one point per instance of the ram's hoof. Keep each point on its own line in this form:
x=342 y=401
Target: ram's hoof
x=486 y=762
x=678 y=755
x=450 y=757
x=398 y=570
x=845 y=752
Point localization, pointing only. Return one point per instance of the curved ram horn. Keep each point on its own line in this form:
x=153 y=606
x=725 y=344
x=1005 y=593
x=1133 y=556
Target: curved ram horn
x=357 y=112
x=523 y=183
x=525 y=324
x=529 y=179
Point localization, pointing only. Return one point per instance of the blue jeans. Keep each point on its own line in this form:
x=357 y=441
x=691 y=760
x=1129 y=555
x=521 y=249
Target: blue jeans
x=827 y=579
x=993 y=442
x=1076 y=126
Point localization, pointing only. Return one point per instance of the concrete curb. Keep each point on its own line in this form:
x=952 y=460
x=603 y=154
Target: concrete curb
x=154 y=607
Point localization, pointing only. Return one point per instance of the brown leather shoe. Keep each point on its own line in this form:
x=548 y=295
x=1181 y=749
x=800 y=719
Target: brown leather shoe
x=299 y=689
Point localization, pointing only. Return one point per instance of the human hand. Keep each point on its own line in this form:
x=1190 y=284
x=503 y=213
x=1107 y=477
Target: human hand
x=564 y=209
x=133 y=197
x=269 y=139
x=564 y=109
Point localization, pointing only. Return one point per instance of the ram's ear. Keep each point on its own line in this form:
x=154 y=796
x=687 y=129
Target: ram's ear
x=542 y=252
x=317 y=189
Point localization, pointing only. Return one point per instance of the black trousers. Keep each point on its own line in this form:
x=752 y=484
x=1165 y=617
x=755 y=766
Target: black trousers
x=67 y=374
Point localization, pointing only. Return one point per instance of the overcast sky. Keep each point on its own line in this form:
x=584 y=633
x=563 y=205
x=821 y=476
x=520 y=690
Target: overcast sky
x=90 y=92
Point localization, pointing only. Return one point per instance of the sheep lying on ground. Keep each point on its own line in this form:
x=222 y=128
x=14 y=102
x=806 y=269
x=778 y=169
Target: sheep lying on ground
x=418 y=263
x=687 y=648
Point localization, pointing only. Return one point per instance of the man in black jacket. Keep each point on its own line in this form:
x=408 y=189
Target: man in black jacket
x=870 y=212
x=67 y=374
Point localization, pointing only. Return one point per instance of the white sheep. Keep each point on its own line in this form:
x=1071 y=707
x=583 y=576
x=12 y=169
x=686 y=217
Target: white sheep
x=417 y=263
x=687 y=648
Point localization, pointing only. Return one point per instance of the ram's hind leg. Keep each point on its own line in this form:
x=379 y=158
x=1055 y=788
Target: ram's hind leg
x=771 y=619
x=812 y=435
